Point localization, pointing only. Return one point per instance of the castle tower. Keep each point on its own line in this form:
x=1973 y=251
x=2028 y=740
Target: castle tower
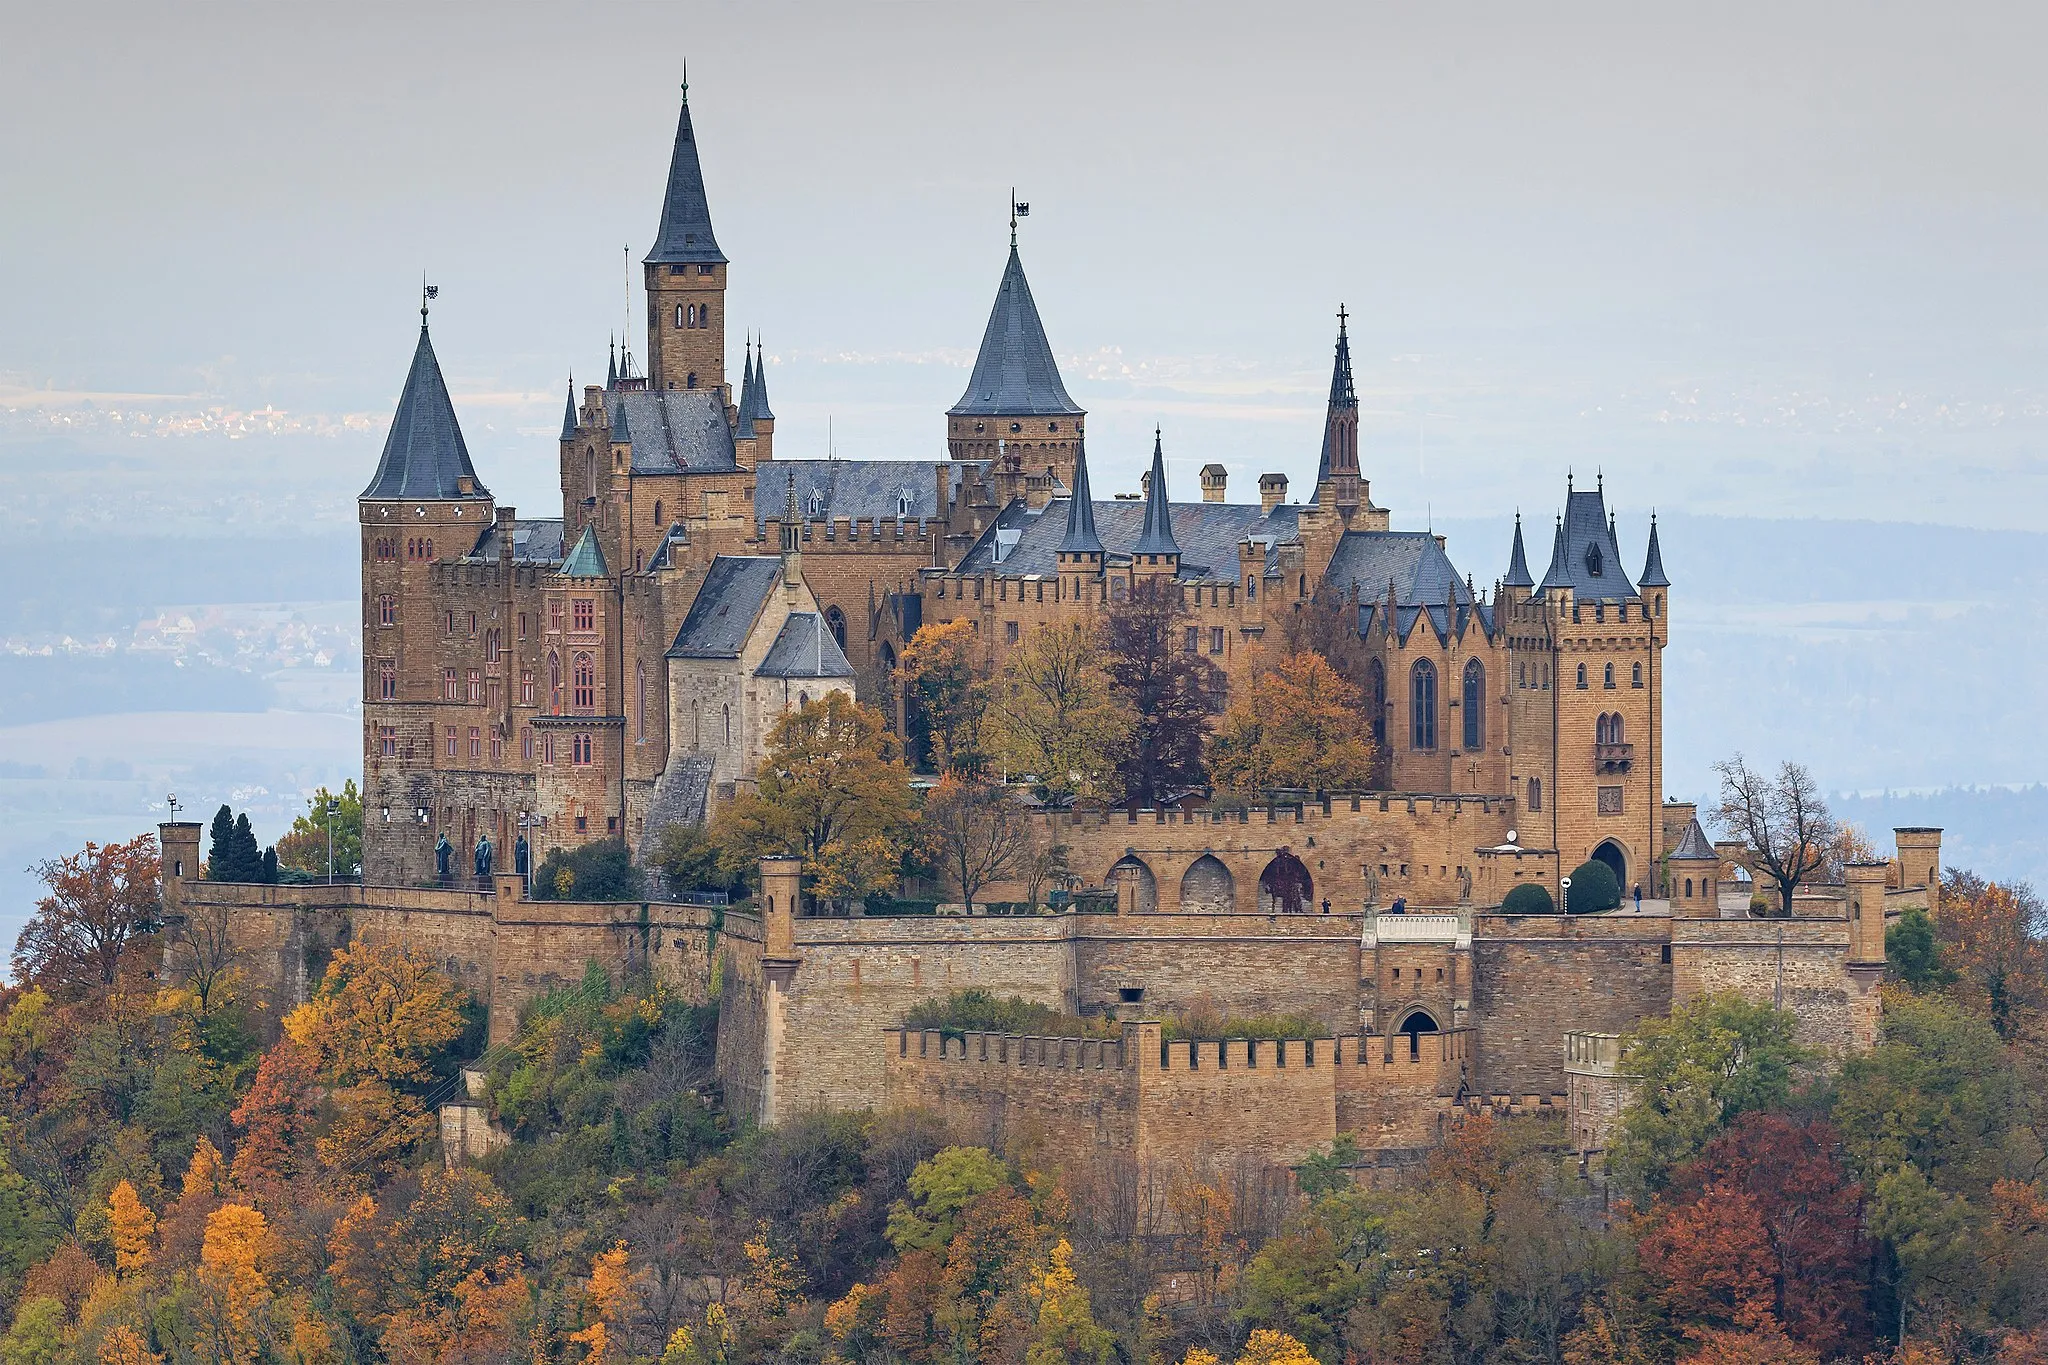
x=583 y=728
x=1156 y=552
x=1919 y=849
x=1866 y=912
x=1015 y=409
x=1695 y=889
x=1080 y=552
x=1337 y=482
x=424 y=504
x=685 y=278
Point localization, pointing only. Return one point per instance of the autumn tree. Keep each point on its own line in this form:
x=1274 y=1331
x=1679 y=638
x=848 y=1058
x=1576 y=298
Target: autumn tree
x=1299 y=725
x=133 y=1228
x=238 y=1289
x=939 y=671
x=831 y=790
x=1782 y=819
x=100 y=902
x=304 y=846
x=1994 y=939
x=608 y=1296
x=276 y=1119
x=976 y=833
x=1055 y=714
x=1170 y=689
x=1327 y=624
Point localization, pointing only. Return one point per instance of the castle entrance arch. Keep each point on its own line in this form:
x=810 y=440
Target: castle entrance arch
x=1131 y=868
x=1413 y=1027
x=1207 y=888
x=1285 y=887
x=1611 y=854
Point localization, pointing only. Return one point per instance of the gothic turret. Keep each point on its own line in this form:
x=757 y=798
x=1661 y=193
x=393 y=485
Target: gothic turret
x=685 y=277
x=1518 y=562
x=1080 y=538
x=1653 y=563
x=569 y=412
x=1337 y=471
x=424 y=454
x=1156 y=548
x=1016 y=408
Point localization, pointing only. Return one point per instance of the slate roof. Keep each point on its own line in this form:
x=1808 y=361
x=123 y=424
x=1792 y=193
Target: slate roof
x=1694 y=846
x=533 y=542
x=587 y=559
x=828 y=489
x=1422 y=574
x=1653 y=562
x=1014 y=374
x=424 y=454
x=759 y=411
x=1156 y=536
x=674 y=430
x=1584 y=542
x=1518 y=561
x=569 y=412
x=729 y=599
x=1208 y=534
x=1080 y=537
x=685 y=232
x=805 y=648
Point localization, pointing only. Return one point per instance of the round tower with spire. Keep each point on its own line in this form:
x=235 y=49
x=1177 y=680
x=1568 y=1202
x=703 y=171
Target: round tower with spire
x=1016 y=411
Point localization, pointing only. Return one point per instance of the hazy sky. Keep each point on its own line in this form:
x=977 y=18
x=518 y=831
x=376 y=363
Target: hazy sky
x=1775 y=259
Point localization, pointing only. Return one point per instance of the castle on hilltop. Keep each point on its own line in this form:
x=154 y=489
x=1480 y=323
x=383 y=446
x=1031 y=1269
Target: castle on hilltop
x=543 y=683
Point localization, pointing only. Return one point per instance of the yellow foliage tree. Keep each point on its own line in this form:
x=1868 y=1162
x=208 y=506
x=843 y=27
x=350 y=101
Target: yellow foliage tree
x=230 y=1268
x=1300 y=724
x=203 y=1172
x=610 y=1295
x=1066 y=1330
x=125 y=1346
x=1055 y=713
x=938 y=669
x=133 y=1227
x=1268 y=1347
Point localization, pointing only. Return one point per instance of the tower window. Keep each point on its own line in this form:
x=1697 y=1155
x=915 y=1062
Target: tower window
x=691 y=382
x=447 y=684
x=585 y=613
x=1594 y=564
x=580 y=752
x=1016 y=426
x=679 y=315
x=584 y=683
x=1474 y=709
x=387 y=610
x=1582 y=677
x=703 y=270
x=1422 y=695
x=1536 y=794
x=1636 y=676
x=1607 y=676
x=387 y=681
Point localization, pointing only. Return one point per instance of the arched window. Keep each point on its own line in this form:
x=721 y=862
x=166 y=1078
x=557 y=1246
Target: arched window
x=1636 y=676
x=803 y=699
x=1614 y=734
x=585 y=683
x=691 y=381
x=728 y=725
x=640 y=702
x=1607 y=676
x=1302 y=590
x=1535 y=794
x=658 y=522
x=1474 y=705
x=1582 y=677
x=1422 y=705
x=679 y=315
x=1251 y=588
x=835 y=620
x=491 y=646
x=590 y=470
x=1600 y=730
x=1376 y=700
x=554 y=683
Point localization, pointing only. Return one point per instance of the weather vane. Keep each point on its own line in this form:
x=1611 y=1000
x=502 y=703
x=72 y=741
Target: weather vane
x=1018 y=209
x=427 y=291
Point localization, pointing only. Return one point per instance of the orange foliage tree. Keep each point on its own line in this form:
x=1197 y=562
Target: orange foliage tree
x=231 y=1271
x=275 y=1118
x=1992 y=938
x=1300 y=725
x=133 y=1227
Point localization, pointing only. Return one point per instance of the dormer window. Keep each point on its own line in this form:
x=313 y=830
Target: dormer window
x=817 y=502
x=1593 y=560
x=903 y=503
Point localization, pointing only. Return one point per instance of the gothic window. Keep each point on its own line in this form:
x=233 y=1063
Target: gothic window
x=555 y=614
x=387 y=741
x=493 y=645
x=658 y=522
x=584 y=680
x=1535 y=794
x=1251 y=588
x=1376 y=699
x=902 y=504
x=1600 y=730
x=1614 y=735
x=526 y=687
x=526 y=743
x=1607 y=676
x=585 y=613
x=835 y=621
x=640 y=702
x=387 y=610
x=728 y=726
x=554 y=683
x=1635 y=675
x=1474 y=705
x=1422 y=705
x=547 y=750
x=816 y=503
x=580 y=749
x=679 y=315
x=452 y=741
x=387 y=680
x=1582 y=677
x=590 y=470
x=1215 y=639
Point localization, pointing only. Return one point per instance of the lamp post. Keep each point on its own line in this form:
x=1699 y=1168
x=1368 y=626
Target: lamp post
x=333 y=809
x=528 y=820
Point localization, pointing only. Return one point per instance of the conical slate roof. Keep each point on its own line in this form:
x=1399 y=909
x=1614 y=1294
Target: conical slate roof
x=1585 y=558
x=1343 y=398
x=684 y=236
x=1157 y=536
x=569 y=412
x=587 y=559
x=424 y=456
x=1518 y=561
x=746 y=408
x=1694 y=846
x=1080 y=537
x=1015 y=374
x=1653 y=564
x=758 y=410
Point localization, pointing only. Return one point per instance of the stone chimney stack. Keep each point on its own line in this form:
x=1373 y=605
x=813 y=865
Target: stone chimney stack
x=1214 y=477
x=1272 y=491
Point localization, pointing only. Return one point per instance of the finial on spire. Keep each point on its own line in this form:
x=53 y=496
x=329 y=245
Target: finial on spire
x=1567 y=478
x=1342 y=318
x=1600 y=478
x=427 y=291
x=686 y=80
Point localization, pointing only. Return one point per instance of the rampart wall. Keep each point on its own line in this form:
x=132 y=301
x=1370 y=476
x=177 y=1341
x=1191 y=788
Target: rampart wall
x=1801 y=962
x=1536 y=977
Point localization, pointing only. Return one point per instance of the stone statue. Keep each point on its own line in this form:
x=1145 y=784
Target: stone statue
x=1464 y=886
x=1372 y=885
x=444 y=857
x=521 y=855
x=484 y=853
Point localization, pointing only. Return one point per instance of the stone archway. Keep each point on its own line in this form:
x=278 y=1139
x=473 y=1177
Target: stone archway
x=1207 y=888
x=1285 y=887
x=1413 y=1026
x=1616 y=859
x=1131 y=868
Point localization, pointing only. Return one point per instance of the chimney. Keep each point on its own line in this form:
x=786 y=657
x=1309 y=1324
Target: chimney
x=1272 y=491
x=1213 y=479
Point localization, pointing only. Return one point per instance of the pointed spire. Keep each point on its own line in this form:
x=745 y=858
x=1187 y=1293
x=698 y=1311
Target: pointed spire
x=587 y=559
x=1342 y=393
x=1080 y=538
x=746 y=407
x=1014 y=372
x=424 y=454
x=1518 y=561
x=1653 y=564
x=684 y=236
x=762 y=412
x=1339 y=458
x=611 y=363
x=1157 y=536
x=569 y=411
x=1558 y=573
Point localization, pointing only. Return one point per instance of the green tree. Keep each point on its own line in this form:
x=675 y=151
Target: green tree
x=689 y=860
x=1712 y=1059
x=1912 y=954
x=599 y=871
x=304 y=846
x=830 y=790
x=37 y=1336
x=1593 y=889
x=1935 y=1093
x=941 y=1188
x=1528 y=898
x=1056 y=715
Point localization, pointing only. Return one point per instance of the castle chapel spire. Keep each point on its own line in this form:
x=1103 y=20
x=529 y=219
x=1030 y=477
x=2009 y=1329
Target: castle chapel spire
x=685 y=277
x=1337 y=471
x=1156 y=538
